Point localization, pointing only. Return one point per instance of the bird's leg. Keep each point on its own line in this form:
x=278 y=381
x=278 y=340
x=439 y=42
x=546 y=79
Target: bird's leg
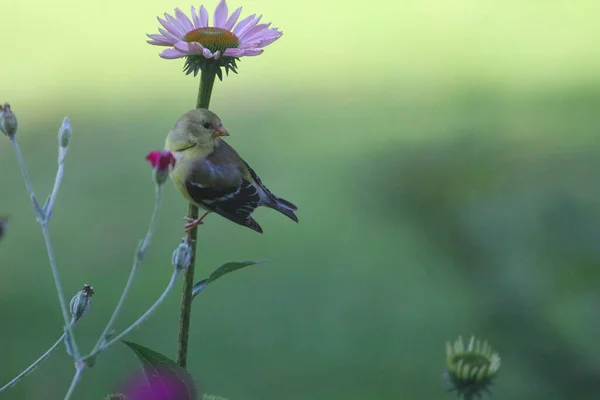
x=194 y=222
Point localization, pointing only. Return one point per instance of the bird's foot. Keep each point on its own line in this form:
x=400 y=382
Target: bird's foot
x=193 y=223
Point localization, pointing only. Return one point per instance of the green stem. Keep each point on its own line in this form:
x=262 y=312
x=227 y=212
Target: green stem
x=148 y=313
x=43 y=221
x=74 y=382
x=139 y=257
x=207 y=81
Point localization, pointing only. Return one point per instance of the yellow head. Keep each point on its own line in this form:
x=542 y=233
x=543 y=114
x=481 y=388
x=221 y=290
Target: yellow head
x=199 y=127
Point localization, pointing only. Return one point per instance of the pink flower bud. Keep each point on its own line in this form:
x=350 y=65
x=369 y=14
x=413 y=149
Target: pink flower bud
x=161 y=161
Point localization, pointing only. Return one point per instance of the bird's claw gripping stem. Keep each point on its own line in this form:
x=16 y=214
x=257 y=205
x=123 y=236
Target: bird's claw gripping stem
x=194 y=222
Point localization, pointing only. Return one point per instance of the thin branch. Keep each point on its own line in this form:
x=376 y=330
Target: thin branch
x=139 y=257
x=148 y=313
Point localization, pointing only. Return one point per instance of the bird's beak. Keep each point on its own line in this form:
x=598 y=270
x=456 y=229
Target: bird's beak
x=220 y=131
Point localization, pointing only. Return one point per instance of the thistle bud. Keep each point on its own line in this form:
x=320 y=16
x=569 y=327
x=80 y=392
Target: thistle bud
x=8 y=121
x=471 y=369
x=182 y=256
x=161 y=162
x=80 y=303
x=116 y=396
x=64 y=133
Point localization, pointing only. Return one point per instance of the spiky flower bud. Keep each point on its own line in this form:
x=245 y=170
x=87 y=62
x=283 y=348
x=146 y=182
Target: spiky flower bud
x=80 y=303
x=8 y=121
x=116 y=396
x=471 y=369
x=182 y=256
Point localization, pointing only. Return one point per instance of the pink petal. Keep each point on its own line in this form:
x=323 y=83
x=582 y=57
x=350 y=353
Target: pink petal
x=242 y=24
x=171 y=54
x=207 y=54
x=156 y=43
x=267 y=42
x=160 y=40
x=203 y=17
x=252 y=52
x=233 y=52
x=220 y=14
x=185 y=21
x=169 y=35
x=233 y=19
x=250 y=33
x=260 y=37
x=246 y=28
x=189 y=48
x=217 y=54
x=172 y=29
x=196 y=18
x=176 y=27
x=176 y=24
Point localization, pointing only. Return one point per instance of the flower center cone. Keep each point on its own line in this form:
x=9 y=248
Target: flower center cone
x=213 y=39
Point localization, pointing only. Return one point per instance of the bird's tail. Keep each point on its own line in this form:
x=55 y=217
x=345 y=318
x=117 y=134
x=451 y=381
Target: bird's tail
x=286 y=208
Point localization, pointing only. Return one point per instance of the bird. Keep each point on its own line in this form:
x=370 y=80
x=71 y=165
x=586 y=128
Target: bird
x=213 y=176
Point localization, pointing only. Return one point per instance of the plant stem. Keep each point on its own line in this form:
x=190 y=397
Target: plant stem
x=139 y=257
x=37 y=362
x=21 y=160
x=207 y=81
x=57 y=181
x=44 y=225
x=59 y=289
x=74 y=382
x=149 y=312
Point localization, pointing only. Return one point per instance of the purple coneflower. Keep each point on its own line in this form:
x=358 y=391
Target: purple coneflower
x=225 y=39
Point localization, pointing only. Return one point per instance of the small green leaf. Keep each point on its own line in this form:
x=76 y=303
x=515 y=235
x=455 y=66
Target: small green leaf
x=219 y=272
x=154 y=363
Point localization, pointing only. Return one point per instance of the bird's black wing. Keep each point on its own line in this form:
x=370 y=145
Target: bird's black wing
x=235 y=203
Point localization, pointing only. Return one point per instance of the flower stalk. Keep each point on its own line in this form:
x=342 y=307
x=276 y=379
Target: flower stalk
x=42 y=218
x=64 y=136
x=139 y=257
x=148 y=312
x=207 y=81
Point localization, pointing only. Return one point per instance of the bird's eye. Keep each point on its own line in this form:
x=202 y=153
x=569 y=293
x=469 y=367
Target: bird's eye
x=206 y=125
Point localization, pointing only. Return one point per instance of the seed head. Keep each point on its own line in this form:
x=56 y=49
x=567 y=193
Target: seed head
x=81 y=302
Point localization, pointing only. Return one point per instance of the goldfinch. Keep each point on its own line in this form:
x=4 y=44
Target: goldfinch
x=211 y=174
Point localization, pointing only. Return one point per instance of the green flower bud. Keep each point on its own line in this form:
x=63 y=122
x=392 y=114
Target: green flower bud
x=8 y=121
x=80 y=303
x=182 y=256
x=471 y=369
x=64 y=133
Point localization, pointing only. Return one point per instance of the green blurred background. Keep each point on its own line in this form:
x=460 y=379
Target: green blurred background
x=443 y=155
